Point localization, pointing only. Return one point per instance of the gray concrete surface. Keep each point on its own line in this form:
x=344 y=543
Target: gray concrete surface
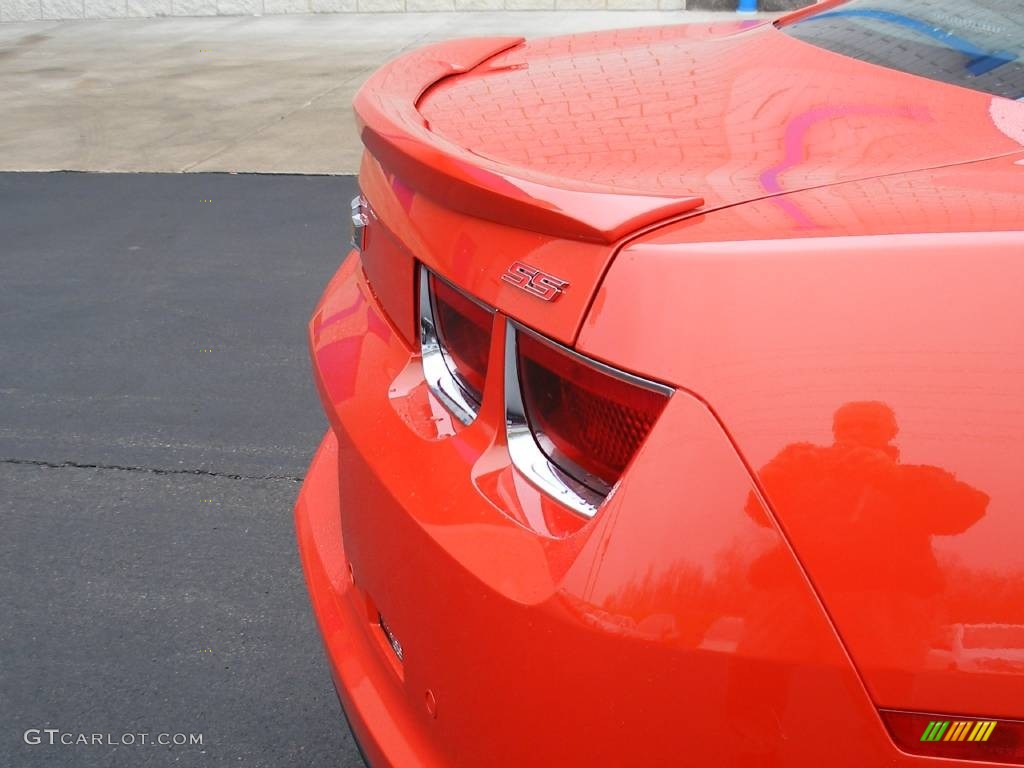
x=35 y=10
x=150 y=581
x=223 y=94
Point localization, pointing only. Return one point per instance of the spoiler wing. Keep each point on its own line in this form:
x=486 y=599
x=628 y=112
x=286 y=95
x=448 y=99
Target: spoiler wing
x=394 y=131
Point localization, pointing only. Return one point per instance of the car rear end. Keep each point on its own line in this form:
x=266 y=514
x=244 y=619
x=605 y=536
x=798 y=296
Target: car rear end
x=559 y=580
x=518 y=550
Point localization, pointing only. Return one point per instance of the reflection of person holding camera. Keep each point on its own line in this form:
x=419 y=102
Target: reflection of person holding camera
x=861 y=522
x=864 y=521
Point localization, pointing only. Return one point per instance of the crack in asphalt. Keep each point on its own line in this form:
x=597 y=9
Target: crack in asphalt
x=151 y=470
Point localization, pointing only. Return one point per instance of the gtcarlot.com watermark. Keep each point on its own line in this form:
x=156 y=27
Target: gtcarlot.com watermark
x=56 y=737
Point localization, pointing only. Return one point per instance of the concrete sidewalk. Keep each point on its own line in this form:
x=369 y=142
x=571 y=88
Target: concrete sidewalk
x=246 y=94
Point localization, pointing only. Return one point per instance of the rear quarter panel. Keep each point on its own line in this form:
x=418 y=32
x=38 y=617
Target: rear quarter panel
x=912 y=539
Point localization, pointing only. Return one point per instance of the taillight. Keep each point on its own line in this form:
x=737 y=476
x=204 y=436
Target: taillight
x=574 y=424
x=464 y=330
x=455 y=340
x=960 y=738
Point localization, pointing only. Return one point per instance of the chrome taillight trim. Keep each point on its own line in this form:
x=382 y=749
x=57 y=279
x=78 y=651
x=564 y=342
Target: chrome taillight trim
x=360 y=218
x=438 y=369
x=531 y=453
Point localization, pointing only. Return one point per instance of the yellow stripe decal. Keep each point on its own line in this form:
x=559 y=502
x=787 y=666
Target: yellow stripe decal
x=988 y=730
x=978 y=728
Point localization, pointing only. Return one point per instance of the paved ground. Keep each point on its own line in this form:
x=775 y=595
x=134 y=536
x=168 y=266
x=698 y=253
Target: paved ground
x=150 y=581
x=268 y=94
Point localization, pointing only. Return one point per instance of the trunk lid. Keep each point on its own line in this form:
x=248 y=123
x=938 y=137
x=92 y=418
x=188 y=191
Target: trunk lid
x=725 y=114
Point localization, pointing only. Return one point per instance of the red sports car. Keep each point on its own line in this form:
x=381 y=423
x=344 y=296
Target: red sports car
x=676 y=394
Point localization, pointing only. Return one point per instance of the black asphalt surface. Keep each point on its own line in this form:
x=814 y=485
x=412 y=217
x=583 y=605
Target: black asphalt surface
x=156 y=418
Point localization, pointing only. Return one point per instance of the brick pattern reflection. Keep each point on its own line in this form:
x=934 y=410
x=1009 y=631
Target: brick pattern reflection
x=663 y=111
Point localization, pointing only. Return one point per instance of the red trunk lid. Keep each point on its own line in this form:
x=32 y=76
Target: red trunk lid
x=726 y=114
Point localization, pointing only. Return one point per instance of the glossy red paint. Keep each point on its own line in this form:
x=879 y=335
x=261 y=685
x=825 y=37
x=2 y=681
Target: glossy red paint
x=823 y=522
x=520 y=628
x=474 y=253
x=665 y=113
x=917 y=557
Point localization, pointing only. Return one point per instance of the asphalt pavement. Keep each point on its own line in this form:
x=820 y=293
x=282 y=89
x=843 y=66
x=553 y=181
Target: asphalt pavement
x=156 y=418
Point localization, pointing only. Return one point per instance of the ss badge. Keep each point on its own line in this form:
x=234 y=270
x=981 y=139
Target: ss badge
x=532 y=280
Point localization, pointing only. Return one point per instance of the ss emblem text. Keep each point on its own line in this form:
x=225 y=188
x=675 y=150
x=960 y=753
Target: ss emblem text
x=532 y=280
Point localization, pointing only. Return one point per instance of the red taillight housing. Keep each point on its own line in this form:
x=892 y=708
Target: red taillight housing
x=464 y=333
x=586 y=418
x=455 y=340
x=572 y=424
x=959 y=738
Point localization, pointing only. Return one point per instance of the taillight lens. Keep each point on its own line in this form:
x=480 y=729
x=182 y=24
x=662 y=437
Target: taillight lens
x=588 y=419
x=1000 y=741
x=455 y=339
x=464 y=332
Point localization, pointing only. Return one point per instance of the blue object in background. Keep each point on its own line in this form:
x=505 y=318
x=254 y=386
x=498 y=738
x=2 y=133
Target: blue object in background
x=747 y=6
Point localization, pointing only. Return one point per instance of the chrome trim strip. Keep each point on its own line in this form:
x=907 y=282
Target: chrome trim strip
x=583 y=495
x=629 y=378
x=437 y=369
x=359 y=221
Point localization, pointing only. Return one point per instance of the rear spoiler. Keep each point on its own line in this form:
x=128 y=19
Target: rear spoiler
x=394 y=131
